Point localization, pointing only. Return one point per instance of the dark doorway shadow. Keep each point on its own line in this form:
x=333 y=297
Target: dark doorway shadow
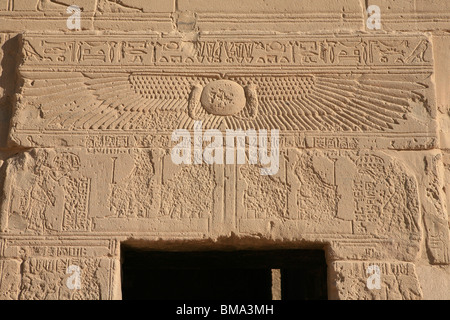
x=222 y=275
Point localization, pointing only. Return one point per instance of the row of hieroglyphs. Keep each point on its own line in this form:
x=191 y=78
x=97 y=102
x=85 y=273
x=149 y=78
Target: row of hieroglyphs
x=333 y=98
x=331 y=188
x=150 y=49
x=329 y=195
x=36 y=270
x=33 y=272
x=109 y=84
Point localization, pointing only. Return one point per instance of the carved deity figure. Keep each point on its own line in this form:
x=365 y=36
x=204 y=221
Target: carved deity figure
x=47 y=176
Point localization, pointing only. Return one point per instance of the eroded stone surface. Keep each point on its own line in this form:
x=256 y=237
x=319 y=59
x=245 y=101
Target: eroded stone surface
x=398 y=281
x=363 y=120
x=126 y=15
x=446 y=161
x=41 y=270
x=434 y=281
x=346 y=198
x=11 y=277
x=443 y=83
x=280 y=16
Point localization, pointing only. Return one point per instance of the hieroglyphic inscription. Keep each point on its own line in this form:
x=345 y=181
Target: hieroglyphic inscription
x=218 y=49
x=398 y=281
x=76 y=194
x=336 y=193
x=46 y=279
x=53 y=196
x=143 y=187
x=290 y=92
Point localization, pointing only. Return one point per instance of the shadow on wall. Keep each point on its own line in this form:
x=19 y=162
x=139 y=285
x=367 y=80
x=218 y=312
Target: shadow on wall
x=286 y=274
x=10 y=59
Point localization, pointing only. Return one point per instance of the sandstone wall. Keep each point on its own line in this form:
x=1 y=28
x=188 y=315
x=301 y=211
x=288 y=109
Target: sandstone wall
x=86 y=118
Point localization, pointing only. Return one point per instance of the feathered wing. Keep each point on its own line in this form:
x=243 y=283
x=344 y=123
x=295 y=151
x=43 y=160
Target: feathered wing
x=61 y=98
x=112 y=102
x=82 y=101
x=330 y=103
x=142 y=101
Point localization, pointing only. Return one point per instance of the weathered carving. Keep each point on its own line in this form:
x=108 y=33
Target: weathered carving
x=398 y=281
x=298 y=97
x=51 y=182
x=45 y=279
x=330 y=193
x=44 y=270
x=50 y=192
x=9 y=279
x=435 y=211
x=116 y=6
x=306 y=103
x=219 y=50
x=340 y=197
x=360 y=173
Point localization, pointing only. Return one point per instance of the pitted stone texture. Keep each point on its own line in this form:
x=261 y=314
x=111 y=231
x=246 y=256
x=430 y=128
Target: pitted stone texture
x=45 y=270
x=223 y=98
x=436 y=210
x=364 y=203
x=429 y=168
x=398 y=281
x=446 y=188
x=363 y=115
x=9 y=279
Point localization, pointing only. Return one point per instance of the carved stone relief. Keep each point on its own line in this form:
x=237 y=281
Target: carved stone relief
x=360 y=119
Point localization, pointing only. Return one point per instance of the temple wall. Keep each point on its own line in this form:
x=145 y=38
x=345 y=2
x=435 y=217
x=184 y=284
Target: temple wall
x=86 y=138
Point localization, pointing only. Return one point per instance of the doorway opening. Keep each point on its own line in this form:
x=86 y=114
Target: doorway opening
x=223 y=275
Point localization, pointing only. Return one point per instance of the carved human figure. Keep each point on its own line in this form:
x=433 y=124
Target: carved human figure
x=46 y=177
x=41 y=195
